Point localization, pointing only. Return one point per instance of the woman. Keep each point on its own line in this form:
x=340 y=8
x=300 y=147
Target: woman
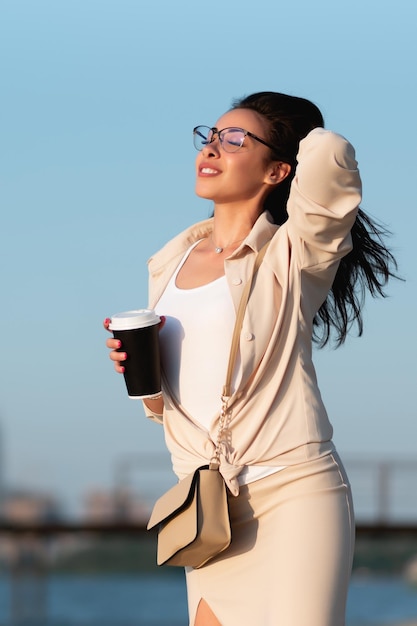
x=274 y=174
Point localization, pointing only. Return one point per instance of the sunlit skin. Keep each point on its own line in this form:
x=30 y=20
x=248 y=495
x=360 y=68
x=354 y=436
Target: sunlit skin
x=238 y=184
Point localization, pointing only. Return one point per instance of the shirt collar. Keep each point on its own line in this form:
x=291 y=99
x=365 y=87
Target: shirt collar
x=262 y=231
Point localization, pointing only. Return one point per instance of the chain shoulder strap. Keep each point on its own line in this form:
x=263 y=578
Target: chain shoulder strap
x=223 y=433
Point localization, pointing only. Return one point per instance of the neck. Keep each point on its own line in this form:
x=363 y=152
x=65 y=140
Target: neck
x=232 y=226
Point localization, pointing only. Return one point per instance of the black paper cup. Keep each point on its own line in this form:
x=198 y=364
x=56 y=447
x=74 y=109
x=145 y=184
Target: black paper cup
x=139 y=333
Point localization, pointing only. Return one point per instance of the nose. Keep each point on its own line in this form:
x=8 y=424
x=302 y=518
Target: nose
x=212 y=149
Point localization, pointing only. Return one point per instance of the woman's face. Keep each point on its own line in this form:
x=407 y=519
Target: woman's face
x=229 y=177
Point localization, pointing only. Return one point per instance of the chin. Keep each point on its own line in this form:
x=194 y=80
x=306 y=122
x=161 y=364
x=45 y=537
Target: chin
x=203 y=194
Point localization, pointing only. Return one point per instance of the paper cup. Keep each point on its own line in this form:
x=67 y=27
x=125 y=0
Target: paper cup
x=139 y=333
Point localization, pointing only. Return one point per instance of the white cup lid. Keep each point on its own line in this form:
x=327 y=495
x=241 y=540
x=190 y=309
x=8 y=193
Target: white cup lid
x=129 y=320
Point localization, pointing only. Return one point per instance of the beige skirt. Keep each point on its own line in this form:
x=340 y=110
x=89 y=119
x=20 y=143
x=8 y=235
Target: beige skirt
x=291 y=555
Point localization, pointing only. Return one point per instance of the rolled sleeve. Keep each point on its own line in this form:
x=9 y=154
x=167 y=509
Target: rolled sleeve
x=324 y=198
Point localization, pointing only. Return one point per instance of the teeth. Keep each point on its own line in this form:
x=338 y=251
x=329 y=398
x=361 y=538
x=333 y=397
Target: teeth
x=208 y=170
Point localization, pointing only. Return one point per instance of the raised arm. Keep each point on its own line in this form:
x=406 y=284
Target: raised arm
x=324 y=198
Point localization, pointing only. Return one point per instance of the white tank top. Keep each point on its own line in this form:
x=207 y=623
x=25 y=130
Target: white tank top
x=195 y=346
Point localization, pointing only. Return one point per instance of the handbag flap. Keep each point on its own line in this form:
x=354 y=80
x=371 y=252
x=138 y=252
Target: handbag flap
x=173 y=500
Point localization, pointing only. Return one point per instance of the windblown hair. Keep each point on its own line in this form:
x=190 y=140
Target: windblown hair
x=369 y=265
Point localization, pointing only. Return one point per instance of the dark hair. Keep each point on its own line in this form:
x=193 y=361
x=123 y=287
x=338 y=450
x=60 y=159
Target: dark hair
x=369 y=265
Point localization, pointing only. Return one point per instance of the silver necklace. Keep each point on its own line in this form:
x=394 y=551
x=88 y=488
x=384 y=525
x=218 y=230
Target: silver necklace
x=219 y=249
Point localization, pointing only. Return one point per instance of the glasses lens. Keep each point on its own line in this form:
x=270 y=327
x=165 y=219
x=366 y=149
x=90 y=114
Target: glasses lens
x=232 y=139
x=202 y=135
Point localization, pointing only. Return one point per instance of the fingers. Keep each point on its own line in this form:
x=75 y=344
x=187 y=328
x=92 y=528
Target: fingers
x=115 y=356
x=118 y=367
x=114 y=345
x=106 y=324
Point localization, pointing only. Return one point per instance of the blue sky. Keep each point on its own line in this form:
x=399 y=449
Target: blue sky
x=97 y=104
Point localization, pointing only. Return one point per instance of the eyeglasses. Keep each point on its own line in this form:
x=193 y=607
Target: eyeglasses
x=231 y=139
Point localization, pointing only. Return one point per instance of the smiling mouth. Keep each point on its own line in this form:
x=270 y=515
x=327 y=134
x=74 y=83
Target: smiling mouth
x=208 y=170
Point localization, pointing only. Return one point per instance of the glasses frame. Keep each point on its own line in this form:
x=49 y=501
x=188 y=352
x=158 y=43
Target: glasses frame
x=218 y=132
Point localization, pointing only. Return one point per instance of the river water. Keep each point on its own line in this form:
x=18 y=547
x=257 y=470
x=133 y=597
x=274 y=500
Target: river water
x=160 y=601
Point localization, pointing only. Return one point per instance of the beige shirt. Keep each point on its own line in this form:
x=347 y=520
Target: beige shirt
x=278 y=417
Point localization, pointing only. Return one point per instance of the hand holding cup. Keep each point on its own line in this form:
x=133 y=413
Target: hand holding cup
x=135 y=350
x=115 y=354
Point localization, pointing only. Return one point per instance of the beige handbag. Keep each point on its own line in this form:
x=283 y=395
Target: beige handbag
x=194 y=520
x=193 y=516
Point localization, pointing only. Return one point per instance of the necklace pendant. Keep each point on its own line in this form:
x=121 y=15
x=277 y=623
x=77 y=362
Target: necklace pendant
x=218 y=250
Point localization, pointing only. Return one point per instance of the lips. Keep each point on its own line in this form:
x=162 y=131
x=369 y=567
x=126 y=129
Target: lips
x=207 y=170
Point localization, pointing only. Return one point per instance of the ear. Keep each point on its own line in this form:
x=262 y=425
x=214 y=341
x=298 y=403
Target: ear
x=276 y=172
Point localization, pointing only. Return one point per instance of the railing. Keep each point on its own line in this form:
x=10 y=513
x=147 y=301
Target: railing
x=384 y=493
x=32 y=562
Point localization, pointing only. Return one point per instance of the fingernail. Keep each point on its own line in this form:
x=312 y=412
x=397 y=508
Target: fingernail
x=122 y=370
x=119 y=343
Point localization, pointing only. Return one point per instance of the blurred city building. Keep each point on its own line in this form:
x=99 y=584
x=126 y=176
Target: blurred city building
x=26 y=557
x=21 y=506
x=114 y=505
